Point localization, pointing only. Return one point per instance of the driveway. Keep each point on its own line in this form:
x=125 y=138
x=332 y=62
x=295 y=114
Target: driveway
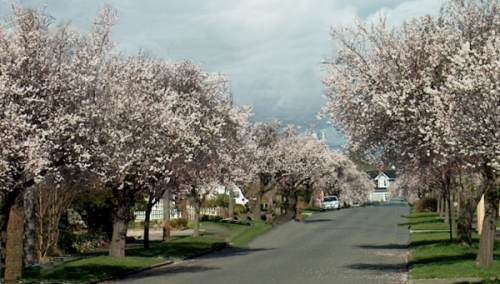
x=357 y=245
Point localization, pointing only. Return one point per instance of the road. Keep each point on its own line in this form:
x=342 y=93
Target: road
x=357 y=245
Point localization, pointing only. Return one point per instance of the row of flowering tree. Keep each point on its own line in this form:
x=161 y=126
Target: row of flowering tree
x=132 y=124
x=78 y=115
x=295 y=166
x=426 y=94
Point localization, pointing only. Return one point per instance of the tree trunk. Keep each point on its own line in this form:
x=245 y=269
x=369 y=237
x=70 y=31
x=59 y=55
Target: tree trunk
x=487 y=242
x=14 y=246
x=297 y=214
x=119 y=237
x=147 y=222
x=256 y=209
x=446 y=209
x=438 y=208
x=442 y=214
x=166 y=216
x=196 y=219
x=464 y=220
x=39 y=228
x=450 y=215
x=184 y=211
x=29 y=226
x=231 y=203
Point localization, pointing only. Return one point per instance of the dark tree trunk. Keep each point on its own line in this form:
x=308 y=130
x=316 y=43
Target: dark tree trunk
x=438 y=208
x=231 y=203
x=147 y=221
x=297 y=213
x=5 y=209
x=184 y=211
x=450 y=215
x=119 y=237
x=196 y=219
x=166 y=216
x=29 y=226
x=442 y=213
x=487 y=242
x=464 y=221
x=446 y=209
x=256 y=209
x=14 y=246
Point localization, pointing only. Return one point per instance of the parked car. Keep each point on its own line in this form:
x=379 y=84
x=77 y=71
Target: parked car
x=330 y=202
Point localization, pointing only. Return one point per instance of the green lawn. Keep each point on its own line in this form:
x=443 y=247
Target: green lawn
x=432 y=255
x=101 y=266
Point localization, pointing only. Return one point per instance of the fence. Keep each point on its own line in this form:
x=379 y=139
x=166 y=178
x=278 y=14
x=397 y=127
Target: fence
x=157 y=213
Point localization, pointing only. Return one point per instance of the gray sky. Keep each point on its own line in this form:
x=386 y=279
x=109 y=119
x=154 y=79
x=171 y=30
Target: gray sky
x=270 y=49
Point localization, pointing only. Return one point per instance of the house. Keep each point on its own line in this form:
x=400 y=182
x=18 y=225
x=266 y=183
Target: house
x=381 y=182
x=157 y=210
x=239 y=198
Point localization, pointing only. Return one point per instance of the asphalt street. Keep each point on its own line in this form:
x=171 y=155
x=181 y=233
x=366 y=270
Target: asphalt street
x=357 y=245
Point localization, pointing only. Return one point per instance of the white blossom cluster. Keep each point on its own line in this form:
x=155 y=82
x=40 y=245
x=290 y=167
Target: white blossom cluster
x=425 y=93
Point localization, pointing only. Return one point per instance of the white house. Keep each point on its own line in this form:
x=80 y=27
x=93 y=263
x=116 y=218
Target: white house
x=157 y=210
x=381 y=182
x=239 y=198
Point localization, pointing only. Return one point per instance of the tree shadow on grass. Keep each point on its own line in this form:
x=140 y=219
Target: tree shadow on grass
x=85 y=272
x=428 y=221
x=386 y=246
x=444 y=259
x=173 y=249
x=171 y=270
x=421 y=215
x=415 y=244
x=447 y=259
x=382 y=267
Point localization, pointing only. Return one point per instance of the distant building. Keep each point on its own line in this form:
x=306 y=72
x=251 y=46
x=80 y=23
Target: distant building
x=381 y=182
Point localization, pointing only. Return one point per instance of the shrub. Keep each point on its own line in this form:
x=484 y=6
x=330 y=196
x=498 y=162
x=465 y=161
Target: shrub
x=179 y=224
x=218 y=200
x=210 y=218
x=426 y=204
x=240 y=209
x=70 y=242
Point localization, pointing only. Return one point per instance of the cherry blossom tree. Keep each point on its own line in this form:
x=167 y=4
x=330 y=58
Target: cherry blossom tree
x=46 y=74
x=416 y=93
x=132 y=135
x=261 y=150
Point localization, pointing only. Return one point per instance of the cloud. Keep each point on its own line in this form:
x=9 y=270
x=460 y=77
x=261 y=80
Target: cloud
x=271 y=50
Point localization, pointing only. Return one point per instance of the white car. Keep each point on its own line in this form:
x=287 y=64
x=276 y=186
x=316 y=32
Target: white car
x=330 y=202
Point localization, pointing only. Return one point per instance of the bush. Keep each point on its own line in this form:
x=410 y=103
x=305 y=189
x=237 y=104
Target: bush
x=427 y=204
x=218 y=200
x=240 y=209
x=70 y=242
x=179 y=224
x=210 y=218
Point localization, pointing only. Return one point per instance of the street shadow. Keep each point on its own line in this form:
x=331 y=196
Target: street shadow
x=397 y=267
x=386 y=246
x=171 y=270
x=307 y=221
x=233 y=251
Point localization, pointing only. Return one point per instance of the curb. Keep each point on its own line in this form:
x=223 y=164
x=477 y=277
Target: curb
x=214 y=248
